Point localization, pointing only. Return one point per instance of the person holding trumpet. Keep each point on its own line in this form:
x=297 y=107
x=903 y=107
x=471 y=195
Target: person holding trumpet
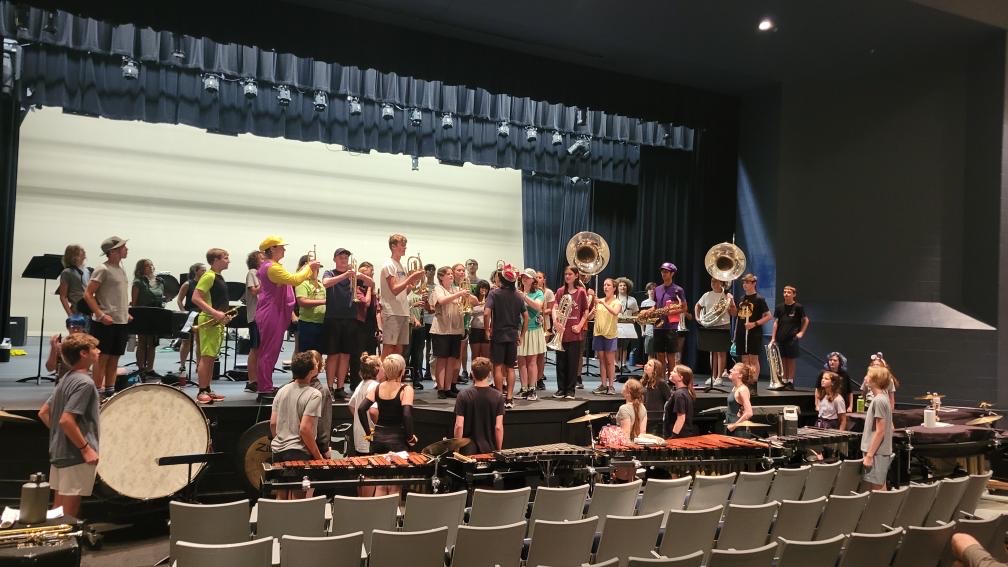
x=395 y=285
x=211 y=297
x=342 y=326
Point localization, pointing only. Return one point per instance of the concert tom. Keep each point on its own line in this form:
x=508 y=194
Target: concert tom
x=141 y=424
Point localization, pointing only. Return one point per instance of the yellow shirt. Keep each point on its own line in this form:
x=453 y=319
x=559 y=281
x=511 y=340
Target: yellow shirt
x=605 y=322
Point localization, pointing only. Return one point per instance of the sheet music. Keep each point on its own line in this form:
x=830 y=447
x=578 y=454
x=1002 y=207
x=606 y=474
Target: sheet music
x=189 y=321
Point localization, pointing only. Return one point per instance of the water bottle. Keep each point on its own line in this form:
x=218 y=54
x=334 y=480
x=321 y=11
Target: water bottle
x=34 y=498
x=860 y=404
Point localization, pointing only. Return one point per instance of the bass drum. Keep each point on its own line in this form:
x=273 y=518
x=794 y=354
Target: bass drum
x=253 y=451
x=141 y=424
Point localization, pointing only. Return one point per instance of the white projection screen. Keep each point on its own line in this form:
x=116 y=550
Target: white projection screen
x=175 y=191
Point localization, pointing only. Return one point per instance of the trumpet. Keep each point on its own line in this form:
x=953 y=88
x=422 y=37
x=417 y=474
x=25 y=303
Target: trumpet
x=312 y=256
x=353 y=281
x=228 y=315
x=415 y=264
x=37 y=535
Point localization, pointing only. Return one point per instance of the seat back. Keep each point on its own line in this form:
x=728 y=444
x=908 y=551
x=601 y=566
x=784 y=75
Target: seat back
x=820 y=480
x=759 y=557
x=916 y=505
x=694 y=530
x=982 y=530
x=428 y=511
x=498 y=507
x=557 y=504
x=416 y=549
x=339 y=551
x=351 y=514
x=562 y=544
x=746 y=527
x=974 y=490
x=946 y=503
x=710 y=491
x=923 y=546
x=613 y=500
x=788 y=484
x=626 y=536
x=810 y=553
x=751 y=487
x=255 y=553
x=841 y=515
x=207 y=523
x=303 y=517
x=797 y=519
x=882 y=507
x=492 y=545
x=691 y=560
x=871 y=549
x=664 y=495
x=848 y=477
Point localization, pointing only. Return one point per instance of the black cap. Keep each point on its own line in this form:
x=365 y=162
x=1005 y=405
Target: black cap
x=342 y=251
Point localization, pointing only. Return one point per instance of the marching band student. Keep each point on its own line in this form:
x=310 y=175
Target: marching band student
x=107 y=296
x=310 y=296
x=479 y=412
x=147 y=291
x=790 y=324
x=371 y=374
x=184 y=300
x=748 y=330
x=632 y=419
x=323 y=435
x=647 y=333
x=211 y=298
x=547 y=321
x=739 y=407
x=606 y=312
x=395 y=283
x=876 y=440
x=667 y=341
x=446 y=330
x=414 y=354
x=716 y=337
x=656 y=389
x=878 y=360
x=275 y=307
x=459 y=273
x=679 y=409
x=75 y=324
x=369 y=314
x=506 y=320
x=568 y=361
x=343 y=330
x=73 y=280
x=626 y=332
x=532 y=349
x=294 y=420
x=478 y=341
x=250 y=299
x=830 y=401
x=836 y=362
x=393 y=431
x=428 y=318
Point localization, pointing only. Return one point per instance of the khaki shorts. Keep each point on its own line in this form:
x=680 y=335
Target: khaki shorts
x=75 y=480
x=396 y=330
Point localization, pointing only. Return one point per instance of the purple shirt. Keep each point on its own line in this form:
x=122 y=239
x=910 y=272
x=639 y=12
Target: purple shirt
x=664 y=295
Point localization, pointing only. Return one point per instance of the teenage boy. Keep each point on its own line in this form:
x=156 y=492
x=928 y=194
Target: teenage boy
x=479 y=412
x=505 y=319
x=876 y=439
x=107 y=296
x=211 y=298
x=395 y=284
x=294 y=420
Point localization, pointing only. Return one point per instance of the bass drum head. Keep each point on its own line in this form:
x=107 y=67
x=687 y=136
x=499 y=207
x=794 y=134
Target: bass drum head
x=141 y=424
x=253 y=451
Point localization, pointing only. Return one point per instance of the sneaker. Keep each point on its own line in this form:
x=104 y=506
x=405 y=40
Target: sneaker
x=442 y=395
x=251 y=387
x=522 y=393
x=788 y=386
x=452 y=393
x=532 y=396
x=559 y=394
x=580 y=386
x=182 y=369
x=541 y=385
x=216 y=397
x=569 y=396
x=779 y=387
x=710 y=382
x=204 y=398
x=508 y=404
x=610 y=391
x=719 y=381
x=417 y=386
x=600 y=390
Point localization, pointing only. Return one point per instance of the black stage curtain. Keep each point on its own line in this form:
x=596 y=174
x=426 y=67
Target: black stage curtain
x=553 y=210
x=10 y=129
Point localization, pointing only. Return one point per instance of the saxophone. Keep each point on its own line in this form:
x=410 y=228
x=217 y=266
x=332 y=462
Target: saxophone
x=560 y=322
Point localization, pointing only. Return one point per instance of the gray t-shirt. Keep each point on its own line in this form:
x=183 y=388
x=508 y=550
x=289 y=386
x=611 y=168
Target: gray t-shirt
x=75 y=280
x=879 y=408
x=76 y=394
x=292 y=402
x=251 y=299
x=113 y=292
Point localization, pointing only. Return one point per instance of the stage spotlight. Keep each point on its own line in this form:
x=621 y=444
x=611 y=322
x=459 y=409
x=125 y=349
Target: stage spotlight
x=503 y=129
x=575 y=179
x=283 y=95
x=177 y=52
x=387 y=112
x=447 y=121
x=531 y=134
x=211 y=83
x=321 y=101
x=130 y=71
x=415 y=116
x=355 y=108
x=557 y=138
x=767 y=24
x=250 y=88
x=415 y=163
x=580 y=117
x=579 y=148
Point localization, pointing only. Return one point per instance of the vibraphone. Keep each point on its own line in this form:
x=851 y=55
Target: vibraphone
x=811 y=444
x=415 y=468
x=557 y=464
x=702 y=454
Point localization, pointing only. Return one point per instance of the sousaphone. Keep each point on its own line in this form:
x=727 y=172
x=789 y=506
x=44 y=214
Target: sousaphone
x=588 y=252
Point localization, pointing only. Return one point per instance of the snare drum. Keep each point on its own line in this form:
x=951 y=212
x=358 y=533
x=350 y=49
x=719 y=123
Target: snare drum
x=141 y=424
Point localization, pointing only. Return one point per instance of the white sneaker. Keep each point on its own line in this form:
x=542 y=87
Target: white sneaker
x=719 y=381
x=710 y=382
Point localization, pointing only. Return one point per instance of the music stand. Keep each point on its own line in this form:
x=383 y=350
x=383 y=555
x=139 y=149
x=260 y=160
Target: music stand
x=45 y=267
x=155 y=321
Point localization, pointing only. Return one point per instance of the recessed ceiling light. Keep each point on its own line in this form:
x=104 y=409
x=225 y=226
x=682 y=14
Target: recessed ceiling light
x=767 y=24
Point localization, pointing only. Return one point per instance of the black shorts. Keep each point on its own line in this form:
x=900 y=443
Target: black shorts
x=389 y=439
x=755 y=342
x=504 y=353
x=666 y=340
x=446 y=346
x=713 y=340
x=111 y=338
x=477 y=336
x=343 y=336
x=291 y=455
x=789 y=348
x=253 y=335
x=311 y=336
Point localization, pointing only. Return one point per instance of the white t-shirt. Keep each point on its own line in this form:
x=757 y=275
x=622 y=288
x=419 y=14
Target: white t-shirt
x=628 y=306
x=707 y=302
x=250 y=299
x=391 y=303
x=355 y=401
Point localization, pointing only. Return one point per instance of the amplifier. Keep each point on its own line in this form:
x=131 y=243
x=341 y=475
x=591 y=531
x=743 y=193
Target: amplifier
x=18 y=330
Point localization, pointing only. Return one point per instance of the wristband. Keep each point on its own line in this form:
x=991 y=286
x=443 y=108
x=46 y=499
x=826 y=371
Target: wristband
x=82 y=447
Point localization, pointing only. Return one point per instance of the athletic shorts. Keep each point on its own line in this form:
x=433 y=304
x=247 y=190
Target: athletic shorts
x=446 y=346
x=602 y=344
x=504 y=353
x=789 y=348
x=291 y=455
x=342 y=336
x=666 y=340
x=111 y=338
x=311 y=336
x=396 y=330
x=477 y=336
x=210 y=337
x=75 y=480
x=879 y=471
x=253 y=335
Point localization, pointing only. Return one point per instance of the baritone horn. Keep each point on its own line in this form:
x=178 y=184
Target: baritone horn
x=415 y=264
x=563 y=311
x=588 y=252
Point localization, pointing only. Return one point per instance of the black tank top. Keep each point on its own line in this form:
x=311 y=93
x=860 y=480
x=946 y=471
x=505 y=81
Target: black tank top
x=390 y=411
x=188 y=296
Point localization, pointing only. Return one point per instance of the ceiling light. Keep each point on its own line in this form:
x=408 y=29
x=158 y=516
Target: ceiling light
x=531 y=134
x=581 y=148
x=355 y=108
x=130 y=71
x=211 y=83
x=250 y=88
x=557 y=138
x=766 y=24
x=503 y=129
x=321 y=101
x=283 y=95
x=177 y=52
x=387 y=112
x=415 y=116
x=575 y=179
x=447 y=121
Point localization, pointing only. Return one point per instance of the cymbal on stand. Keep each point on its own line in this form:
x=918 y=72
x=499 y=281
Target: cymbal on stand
x=748 y=423
x=13 y=418
x=444 y=446
x=589 y=417
x=984 y=420
x=930 y=396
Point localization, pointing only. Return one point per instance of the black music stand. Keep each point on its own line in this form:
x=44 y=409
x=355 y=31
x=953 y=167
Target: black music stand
x=156 y=321
x=45 y=267
x=179 y=319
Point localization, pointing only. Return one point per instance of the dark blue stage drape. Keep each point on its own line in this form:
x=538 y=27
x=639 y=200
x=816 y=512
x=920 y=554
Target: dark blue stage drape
x=553 y=210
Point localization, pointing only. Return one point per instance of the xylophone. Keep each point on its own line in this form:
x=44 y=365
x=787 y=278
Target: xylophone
x=557 y=464
x=702 y=454
x=814 y=443
x=414 y=468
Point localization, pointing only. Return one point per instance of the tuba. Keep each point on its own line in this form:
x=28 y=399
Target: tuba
x=725 y=262
x=415 y=264
x=560 y=323
x=588 y=252
x=776 y=365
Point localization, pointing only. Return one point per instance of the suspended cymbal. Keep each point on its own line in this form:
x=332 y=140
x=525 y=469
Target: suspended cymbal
x=931 y=396
x=589 y=417
x=751 y=424
x=5 y=416
x=984 y=420
x=445 y=446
